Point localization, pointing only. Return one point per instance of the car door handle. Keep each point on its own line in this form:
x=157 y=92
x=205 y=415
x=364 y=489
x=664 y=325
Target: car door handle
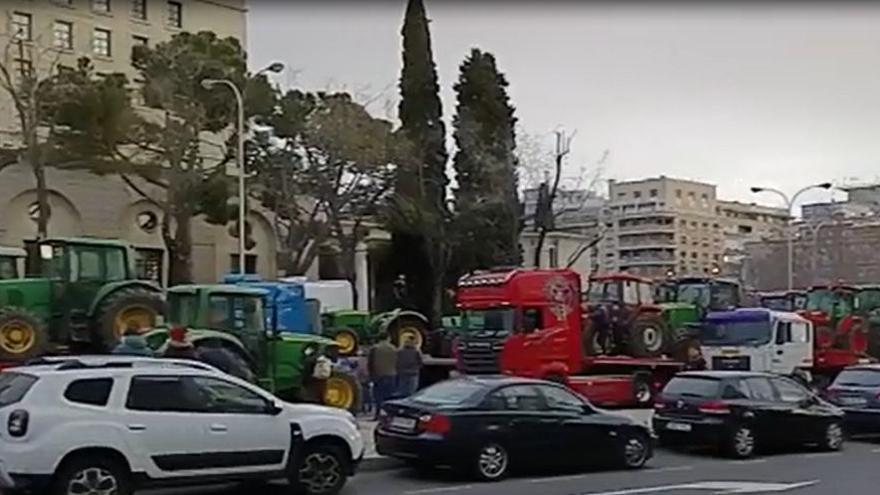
x=779 y=352
x=219 y=428
x=137 y=427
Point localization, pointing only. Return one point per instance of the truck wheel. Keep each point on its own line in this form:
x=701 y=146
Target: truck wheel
x=643 y=393
x=342 y=391
x=130 y=307
x=647 y=336
x=347 y=341
x=23 y=335
x=408 y=327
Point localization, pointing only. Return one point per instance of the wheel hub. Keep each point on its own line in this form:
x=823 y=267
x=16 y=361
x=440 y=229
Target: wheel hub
x=320 y=472
x=16 y=337
x=651 y=338
x=93 y=481
x=634 y=452
x=338 y=393
x=744 y=442
x=835 y=436
x=492 y=462
x=345 y=341
x=407 y=333
x=138 y=317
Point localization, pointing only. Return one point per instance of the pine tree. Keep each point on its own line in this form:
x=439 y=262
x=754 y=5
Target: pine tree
x=419 y=216
x=485 y=164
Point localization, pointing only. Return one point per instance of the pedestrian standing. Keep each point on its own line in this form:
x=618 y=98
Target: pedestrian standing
x=317 y=369
x=382 y=361
x=362 y=370
x=133 y=343
x=179 y=345
x=409 y=368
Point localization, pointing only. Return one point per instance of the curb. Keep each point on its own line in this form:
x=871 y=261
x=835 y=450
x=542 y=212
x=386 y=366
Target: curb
x=379 y=463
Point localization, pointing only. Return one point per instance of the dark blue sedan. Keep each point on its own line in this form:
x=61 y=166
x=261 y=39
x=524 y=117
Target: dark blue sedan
x=856 y=390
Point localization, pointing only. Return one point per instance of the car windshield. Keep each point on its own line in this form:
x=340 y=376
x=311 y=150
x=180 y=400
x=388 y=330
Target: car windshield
x=499 y=321
x=448 y=393
x=735 y=333
x=692 y=386
x=858 y=378
x=14 y=386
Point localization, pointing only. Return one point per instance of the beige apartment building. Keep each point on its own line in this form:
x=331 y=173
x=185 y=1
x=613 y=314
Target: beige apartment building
x=744 y=223
x=86 y=204
x=661 y=226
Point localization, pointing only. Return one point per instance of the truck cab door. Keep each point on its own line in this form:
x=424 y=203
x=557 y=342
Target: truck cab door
x=792 y=346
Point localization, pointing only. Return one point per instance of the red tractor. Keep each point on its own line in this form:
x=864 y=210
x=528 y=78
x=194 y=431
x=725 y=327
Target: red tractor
x=624 y=318
x=840 y=333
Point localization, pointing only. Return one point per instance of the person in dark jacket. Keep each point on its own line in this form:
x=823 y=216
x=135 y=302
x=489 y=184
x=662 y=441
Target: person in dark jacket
x=213 y=353
x=409 y=368
x=133 y=344
x=179 y=346
x=382 y=363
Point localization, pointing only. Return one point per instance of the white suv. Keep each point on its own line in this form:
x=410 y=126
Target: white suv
x=118 y=426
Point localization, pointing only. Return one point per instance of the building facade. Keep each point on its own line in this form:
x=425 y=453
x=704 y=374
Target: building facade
x=743 y=223
x=662 y=226
x=60 y=31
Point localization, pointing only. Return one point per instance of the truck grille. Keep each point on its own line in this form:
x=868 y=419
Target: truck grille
x=733 y=363
x=480 y=356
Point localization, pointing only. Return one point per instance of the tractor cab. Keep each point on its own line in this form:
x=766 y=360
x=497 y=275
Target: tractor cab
x=620 y=289
x=791 y=300
x=833 y=310
x=708 y=294
x=11 y=263
x=868 y=299
x=665 y=291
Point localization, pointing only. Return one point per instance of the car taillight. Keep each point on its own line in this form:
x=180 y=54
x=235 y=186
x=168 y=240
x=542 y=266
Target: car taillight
x=435 y=423
x=18 y=423
x=714 y=407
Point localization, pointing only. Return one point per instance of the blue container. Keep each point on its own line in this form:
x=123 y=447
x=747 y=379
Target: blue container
x=285 y=303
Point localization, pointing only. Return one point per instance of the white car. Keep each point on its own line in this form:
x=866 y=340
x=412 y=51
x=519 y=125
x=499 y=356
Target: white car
x=118 y=426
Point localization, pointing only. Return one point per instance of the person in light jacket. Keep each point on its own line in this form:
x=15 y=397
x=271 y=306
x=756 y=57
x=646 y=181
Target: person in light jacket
x=133 y=344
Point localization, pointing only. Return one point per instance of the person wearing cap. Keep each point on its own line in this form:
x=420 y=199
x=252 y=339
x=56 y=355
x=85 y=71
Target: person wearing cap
x=179 y=346
x=133 y=343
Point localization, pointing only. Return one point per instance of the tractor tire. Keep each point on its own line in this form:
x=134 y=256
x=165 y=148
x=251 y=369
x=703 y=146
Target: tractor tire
x=408 y=326
x=647 y=335
x=346 y=340
x=23 y=335
x=134 y=306
x=343 y=391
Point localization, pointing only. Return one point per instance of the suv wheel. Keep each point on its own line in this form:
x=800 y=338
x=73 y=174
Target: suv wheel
x=741 y=442
x=492 y=463
x=94 y=476
x=833 y=438
x=322 y=471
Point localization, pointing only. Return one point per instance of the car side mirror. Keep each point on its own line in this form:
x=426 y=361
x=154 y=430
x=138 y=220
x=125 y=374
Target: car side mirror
x=274 y=409
x=588 y=409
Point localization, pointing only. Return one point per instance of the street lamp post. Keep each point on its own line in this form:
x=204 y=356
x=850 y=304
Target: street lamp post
x=789 y=204
x=239 y=100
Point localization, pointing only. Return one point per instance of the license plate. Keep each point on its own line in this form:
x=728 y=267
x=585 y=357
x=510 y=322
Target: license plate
x=678 y=426
x=853 y=401
x=405 y=424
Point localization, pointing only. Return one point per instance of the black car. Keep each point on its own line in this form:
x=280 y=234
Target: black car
x=742 y=411
x=490 y=425
x=857 y=391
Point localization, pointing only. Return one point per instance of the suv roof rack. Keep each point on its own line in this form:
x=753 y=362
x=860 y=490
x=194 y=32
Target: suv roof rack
x=74 y=364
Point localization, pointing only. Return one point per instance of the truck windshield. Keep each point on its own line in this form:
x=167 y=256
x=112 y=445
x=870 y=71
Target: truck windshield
x=489 y=321
x=736 y=333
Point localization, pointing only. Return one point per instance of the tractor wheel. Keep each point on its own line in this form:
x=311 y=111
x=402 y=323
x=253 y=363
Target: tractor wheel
x=408 y=327
x=647 y=336
x=347 y=340
x=342 y=391
x=131 y=307
x=23 y=335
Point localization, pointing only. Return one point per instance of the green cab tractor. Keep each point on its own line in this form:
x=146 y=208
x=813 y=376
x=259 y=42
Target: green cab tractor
x=232 y=316
x=686 y=301
x=351 y=328
x=86 y=296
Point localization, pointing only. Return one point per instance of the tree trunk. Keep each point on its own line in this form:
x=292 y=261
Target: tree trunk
x=180 y=268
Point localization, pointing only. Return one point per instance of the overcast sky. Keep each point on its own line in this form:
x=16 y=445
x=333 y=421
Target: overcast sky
x=736 y=95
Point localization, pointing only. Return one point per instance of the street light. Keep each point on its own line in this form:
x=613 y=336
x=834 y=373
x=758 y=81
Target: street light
x=239 y=100
x=789 y=204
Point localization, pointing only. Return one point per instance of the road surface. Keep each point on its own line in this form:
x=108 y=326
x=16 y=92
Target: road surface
x=856 y=470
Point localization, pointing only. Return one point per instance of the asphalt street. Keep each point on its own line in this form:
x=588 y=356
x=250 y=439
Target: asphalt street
x=802 y=472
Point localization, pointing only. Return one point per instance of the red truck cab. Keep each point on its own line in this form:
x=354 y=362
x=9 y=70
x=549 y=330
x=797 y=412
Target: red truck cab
x=531 y=323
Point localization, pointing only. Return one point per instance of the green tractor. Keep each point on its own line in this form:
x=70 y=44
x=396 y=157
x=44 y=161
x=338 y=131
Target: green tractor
x=351 y=329
x=87 y=296
x=232 y=316
x=868 y=307
x=687 y=300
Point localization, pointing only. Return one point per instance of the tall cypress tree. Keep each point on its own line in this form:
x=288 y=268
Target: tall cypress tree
x=485 y=164
x=419 y=243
